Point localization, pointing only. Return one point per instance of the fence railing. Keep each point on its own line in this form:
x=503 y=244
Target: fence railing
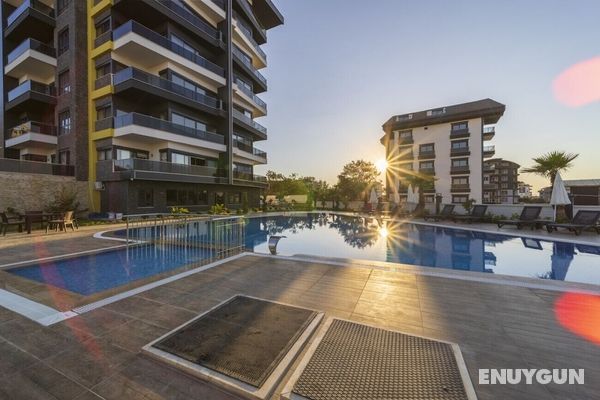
x=206 y=238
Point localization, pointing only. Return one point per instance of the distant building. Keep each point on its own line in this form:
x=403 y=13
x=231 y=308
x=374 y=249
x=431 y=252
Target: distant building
x=500 y=181
x=584 y=192
x=447 y=142
x=524 y=190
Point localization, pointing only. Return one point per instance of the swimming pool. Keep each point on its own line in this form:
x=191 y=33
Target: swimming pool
x=92 y=273
x=334 y=235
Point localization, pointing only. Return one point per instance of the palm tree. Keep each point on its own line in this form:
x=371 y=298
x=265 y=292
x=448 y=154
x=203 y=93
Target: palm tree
x=550 y=164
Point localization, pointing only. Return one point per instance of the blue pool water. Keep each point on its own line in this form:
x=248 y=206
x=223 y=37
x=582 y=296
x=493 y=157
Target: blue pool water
x=93 y=273
x=332 y=235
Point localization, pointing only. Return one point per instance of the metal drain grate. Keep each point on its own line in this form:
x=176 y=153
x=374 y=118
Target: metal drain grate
x=355 y=361
x=244 y=338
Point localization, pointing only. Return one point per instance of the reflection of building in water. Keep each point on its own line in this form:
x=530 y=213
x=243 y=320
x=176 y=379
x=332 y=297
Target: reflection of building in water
x=258 y=229
x=439 y=247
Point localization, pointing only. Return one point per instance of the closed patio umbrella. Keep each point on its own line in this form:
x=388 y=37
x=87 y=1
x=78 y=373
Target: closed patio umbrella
x=373 y=197
x=560 y=196
x=396 y=198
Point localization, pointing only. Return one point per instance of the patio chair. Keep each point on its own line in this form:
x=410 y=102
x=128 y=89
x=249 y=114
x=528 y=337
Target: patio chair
x=446 y=213
x=477 y=215
x=62 y=223
x=584 y=219
x=529 y=217
x=6 y=221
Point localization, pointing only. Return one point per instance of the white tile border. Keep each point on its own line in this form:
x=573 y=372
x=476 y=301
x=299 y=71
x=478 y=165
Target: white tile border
x=288 y=394
x=227 y=382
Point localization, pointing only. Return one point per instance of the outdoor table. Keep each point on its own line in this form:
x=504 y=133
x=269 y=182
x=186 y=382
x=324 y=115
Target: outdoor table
x=38 y=216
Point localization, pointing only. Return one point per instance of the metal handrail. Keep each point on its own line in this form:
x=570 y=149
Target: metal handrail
x=30 y=86
x=30 y=44
x=247 y=120
x=251 y=94
x=243 y=58
x=34 y=4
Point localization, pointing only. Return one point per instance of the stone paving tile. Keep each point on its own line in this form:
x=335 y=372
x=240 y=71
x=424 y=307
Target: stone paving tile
x=33 y=338
x=13 y=359
x=99 y=321
x=133 y=335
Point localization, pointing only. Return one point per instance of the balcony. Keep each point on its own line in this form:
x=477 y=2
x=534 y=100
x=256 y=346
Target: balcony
x=243 y=35
x=246 y=64
x=247 y=179
x=405 y=140
x=490 y=186
x=261 y=33
x=162 y=89
x=459 y=133
x=489 y=151
x=404 y=155
x=427 y=171
x=426 y=155
x=149 y=49
x=33 y=167
x=138 y=169
x=32 y=17
x=30 y=93
x=248 y=123
x=489 y=132
x=212 y=10
x=259 y=107
x=459 y=170
x=464 y=188
x=33 y=59
x=156 y=130
x=460 y=151
x=249 y=153
x=267 y=14
x=31 y=134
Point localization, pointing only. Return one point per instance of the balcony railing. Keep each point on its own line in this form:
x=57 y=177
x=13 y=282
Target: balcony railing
x=459 y=169
x=257 y=100
x=460 y=188
x=426 y=154
x=248 y=177
x=249 y=121
x=34 y=4
x=103 y=81
x=147 y=33
x=31 y=127
x=165 y=84
x=248 y=33
x=459 y=151
x=30 y=44
x=31 y=86
x=248 y=10
x=220 y=3
x=136 y=164
x=489 y=149
x=166 y=126
x=192 y=19
x=459 y=133
x=243 y=58
x=404 y=155
x=248 y=148
x=427 y=170
x=33 y=167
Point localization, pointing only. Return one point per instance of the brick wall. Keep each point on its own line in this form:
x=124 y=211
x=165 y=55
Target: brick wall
x=33 y=192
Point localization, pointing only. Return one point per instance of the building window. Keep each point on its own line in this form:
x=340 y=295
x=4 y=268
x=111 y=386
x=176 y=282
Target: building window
x=459 y=199
x=105 y=154
x=103 y=112
x=460 y=144
x=463 y=180
x=64 y=123
x=460 y=162
x=426 y=165
x=103 y=26
x=460 y=126
x=61 y=5
x=437 y=111
x=102 y=70
x=405 y=134
x=234 y=198
x=188 y=122
x=145 y=198
x=426 y=148
x=63 y=41
x=64 y=157
x=407 y=167
x=64 y=82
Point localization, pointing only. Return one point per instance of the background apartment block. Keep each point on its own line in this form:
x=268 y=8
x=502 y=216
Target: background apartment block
x=152 y=102
x=447 y=142
x=500 y=181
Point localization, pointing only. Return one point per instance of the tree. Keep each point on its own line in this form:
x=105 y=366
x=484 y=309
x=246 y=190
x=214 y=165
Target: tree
x=422 y=182
x=550 y=164
x=281 y=185
x=355 y=179
x=318 y=190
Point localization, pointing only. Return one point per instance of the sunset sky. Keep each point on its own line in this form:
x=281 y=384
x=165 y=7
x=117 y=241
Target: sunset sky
x=338 y=69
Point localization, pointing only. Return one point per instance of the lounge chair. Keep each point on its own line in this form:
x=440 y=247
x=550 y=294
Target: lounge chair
x=446 y=213
x=584 y=219
x=529 y=217
x=62 y=223
x=477 y=215
x=6 y=221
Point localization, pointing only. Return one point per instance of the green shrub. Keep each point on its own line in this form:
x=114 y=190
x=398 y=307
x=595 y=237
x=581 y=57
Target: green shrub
x=179 y=210
x=218 y=209
x=65 y=199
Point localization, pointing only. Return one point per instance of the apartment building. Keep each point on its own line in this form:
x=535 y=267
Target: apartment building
x=154 y=103
x=446 y=142
x=500 y=181
x=525 y=190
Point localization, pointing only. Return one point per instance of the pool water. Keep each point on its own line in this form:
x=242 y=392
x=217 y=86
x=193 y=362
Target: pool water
x=96 y=272
x=334 y=235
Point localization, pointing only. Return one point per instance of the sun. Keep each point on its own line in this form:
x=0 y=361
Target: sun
x=381 y=165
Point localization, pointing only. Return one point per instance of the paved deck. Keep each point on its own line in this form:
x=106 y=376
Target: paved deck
x=97 y=355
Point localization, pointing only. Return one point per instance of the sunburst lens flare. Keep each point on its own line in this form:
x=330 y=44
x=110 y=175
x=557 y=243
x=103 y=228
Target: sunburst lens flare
x=381 y=165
